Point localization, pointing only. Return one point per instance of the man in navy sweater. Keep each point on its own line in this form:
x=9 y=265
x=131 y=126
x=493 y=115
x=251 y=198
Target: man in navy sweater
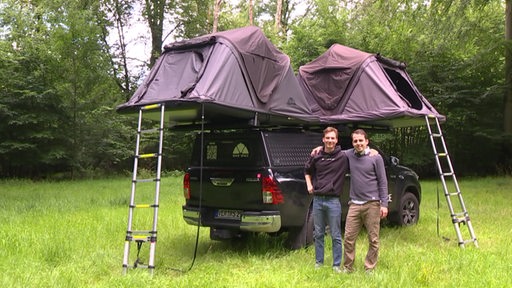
x=368 y=201
x=325 y=174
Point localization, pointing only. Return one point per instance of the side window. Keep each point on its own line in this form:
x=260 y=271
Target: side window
x=211 y=151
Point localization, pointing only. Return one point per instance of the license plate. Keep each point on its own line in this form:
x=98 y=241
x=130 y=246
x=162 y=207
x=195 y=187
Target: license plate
x=228 y=214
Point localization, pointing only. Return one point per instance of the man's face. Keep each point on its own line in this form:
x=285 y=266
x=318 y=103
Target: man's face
x=359 y=142
x=330 y=140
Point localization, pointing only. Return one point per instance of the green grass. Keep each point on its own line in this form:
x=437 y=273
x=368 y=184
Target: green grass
x=71 y=234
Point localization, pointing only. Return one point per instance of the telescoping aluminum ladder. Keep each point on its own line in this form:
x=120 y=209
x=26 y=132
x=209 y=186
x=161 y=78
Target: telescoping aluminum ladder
x=447 y=175
x=133 y=233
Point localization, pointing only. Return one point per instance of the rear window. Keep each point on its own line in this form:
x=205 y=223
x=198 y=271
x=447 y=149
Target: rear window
x=291 y=149
x=229 y=150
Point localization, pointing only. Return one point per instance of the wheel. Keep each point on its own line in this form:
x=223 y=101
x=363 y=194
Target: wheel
x=301 y=237
x=409 y=211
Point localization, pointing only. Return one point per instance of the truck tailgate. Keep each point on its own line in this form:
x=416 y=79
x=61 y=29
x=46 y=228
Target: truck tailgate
x=227 y=189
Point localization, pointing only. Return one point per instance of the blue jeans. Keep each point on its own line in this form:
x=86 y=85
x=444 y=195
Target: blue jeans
x=327 y=210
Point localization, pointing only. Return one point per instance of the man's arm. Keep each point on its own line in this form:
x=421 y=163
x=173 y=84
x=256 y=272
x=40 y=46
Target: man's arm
x=382 y=183
x=317 y=150
x=309 y=183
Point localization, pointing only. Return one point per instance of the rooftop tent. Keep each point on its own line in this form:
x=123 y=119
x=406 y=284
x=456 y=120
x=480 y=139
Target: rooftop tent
x=237 y=76
x=345 y=85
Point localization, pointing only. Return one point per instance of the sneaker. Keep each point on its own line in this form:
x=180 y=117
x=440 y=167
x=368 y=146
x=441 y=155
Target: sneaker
x=336 y=269
x=318 y=266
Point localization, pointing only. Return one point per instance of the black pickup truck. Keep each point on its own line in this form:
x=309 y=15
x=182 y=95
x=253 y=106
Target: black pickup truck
x=253 y=181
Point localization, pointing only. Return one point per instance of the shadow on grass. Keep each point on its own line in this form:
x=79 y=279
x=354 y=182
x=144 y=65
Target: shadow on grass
x=177 y=253
x=254 y=243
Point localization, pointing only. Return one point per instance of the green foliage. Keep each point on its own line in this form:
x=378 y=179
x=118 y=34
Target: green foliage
x=324 y=25
x=55 y=81
x=195 y=18
x=59 y=81
x=31 y=116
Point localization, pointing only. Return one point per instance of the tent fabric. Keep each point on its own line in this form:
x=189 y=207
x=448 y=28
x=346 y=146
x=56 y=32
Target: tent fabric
x=238 y=69
x=239 y=77
x=345 y=85
x=328 y=76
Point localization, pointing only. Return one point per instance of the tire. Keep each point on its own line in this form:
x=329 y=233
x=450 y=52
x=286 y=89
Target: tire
x=301 y=237
x=409 y=210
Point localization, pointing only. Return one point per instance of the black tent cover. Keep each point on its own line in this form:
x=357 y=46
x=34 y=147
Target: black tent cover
x=239 y=78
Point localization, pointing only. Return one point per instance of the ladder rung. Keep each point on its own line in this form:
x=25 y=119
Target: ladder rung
x=146 y=180
x=152 y=130
x=148 y=155
x=141 y=235
x=141 y=238
x=144 y=206
x=140 y=232
x=460 y=219
x=437 y=134
x=453 y=194
x=469 y=241
x=447 y=174
x=149 y=107
x=442 y=154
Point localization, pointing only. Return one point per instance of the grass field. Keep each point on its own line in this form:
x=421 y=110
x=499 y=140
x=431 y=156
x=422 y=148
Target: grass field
x=71 y=234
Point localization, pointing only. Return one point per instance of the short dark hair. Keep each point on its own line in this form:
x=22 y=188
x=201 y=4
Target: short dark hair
x=360 y=132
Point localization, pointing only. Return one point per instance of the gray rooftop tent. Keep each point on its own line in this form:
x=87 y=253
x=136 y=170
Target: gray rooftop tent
x=345 y=85
x=237 y=76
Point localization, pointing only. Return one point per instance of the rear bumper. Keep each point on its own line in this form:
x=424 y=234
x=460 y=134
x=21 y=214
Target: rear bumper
x=262 y=221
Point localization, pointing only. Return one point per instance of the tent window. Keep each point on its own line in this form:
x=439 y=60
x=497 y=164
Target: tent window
x=404 y=88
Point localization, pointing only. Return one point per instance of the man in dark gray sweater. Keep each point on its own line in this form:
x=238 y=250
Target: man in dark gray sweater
x=368 y=201
x=325 y=174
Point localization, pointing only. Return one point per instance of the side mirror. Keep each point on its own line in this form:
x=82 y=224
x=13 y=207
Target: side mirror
x=394 y=160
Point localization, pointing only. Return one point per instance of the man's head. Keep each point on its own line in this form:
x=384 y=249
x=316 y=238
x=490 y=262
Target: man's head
x=330 y=138
x=359 y=140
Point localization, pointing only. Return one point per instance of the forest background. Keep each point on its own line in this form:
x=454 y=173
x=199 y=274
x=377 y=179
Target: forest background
x=65 y=66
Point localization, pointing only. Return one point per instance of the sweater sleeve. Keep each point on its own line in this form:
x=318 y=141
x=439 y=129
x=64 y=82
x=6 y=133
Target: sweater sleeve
x=382 y=181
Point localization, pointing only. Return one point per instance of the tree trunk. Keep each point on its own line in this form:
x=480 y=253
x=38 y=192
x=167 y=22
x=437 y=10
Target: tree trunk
x=508 y=68
x=251 y=16
x=154 y=12
x=216 y=13
x=279 y=11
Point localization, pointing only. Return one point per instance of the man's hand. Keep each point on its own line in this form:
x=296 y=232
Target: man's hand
x=374 y=152
x=383 y=212
x=318 y=149
x=310 y=188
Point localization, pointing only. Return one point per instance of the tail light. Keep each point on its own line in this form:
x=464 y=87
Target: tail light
x=270 y=191
x=186 y=186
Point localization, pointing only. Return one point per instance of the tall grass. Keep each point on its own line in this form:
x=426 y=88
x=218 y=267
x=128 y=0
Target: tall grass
x=71 y=234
